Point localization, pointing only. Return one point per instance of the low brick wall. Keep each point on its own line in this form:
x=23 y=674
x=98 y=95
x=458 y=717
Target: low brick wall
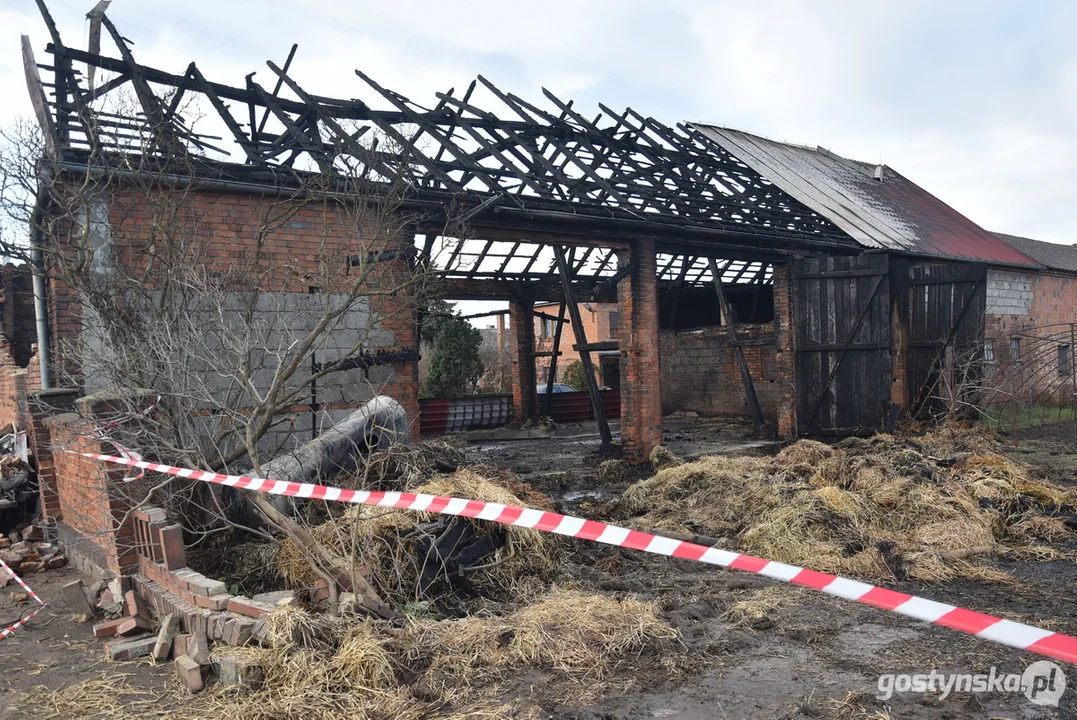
x=700 y=370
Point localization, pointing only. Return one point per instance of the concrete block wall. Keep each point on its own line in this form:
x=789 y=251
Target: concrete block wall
x=1027 y=306
x=1010 y=293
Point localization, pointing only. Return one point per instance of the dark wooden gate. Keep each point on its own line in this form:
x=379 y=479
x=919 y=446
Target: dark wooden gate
x=843 y=371
x=946 y=335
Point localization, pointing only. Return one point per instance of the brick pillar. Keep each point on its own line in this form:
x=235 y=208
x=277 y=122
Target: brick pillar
x=784 y=347
x=523 y=360
x=42 y=405
x=899 y=331
x=641 y=379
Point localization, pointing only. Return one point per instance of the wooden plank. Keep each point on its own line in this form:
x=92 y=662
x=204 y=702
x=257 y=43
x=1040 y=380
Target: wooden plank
x=842 y=351
x=828 y=275
x=581 y=339
x=37 y=96
x=738 y=352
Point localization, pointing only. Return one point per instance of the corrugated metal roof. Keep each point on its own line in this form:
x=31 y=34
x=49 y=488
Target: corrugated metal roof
x=874 y=204
x=1052 y=255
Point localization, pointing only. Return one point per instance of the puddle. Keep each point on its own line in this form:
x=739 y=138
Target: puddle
x=588 y=494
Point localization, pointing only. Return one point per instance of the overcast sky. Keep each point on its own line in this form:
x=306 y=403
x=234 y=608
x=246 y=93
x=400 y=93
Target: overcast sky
x=975 y=101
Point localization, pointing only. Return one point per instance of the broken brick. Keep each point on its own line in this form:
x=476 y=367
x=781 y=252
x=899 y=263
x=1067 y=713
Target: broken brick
x=75 y=596
x=135 y=604
x=189 y=673
x=129 y=649
x=107 y=628
x=198 y=648
x=165 y=637
x=128 y=625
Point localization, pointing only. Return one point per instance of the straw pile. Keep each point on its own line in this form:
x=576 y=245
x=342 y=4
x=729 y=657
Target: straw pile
x=381 y=541
x=403 y=465
x=322 y=667
x=877 y=509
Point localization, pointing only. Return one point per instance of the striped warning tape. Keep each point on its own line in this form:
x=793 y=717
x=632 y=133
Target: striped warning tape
x=1007 y=632
x=41 y=603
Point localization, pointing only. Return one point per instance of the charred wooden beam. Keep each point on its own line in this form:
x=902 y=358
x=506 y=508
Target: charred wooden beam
x=738 y=351
x=585 y=358
x=366 y=360
x=550 y=378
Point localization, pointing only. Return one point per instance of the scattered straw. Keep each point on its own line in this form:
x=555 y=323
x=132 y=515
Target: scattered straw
x=759 y=604
x=876 y=509
x=382 y=541
x=662 y=457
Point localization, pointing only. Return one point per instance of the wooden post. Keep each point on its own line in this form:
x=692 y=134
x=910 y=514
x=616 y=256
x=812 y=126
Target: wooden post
x=547 y=401
x=585 y=353
x=738 y=351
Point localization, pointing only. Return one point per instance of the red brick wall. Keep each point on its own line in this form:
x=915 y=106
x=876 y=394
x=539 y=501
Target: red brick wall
x=641 y=376
x=700 y=370
x=13 y=388
x=94 y=500
x=596 y=325
x=1027 y=306
x=288 y=248
x=18 y=311
x=523 y=362
x=784 y=356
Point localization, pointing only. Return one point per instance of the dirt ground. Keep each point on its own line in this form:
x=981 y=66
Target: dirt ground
x=808 y=656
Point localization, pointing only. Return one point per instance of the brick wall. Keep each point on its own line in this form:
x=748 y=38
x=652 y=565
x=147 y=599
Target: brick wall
x=523 y=361
x=596 y=325
x=700 y=370
x=13 y=388
x=299 y=253
x=641 y=377
x=94 y=500
x=784 y=355
x=18 y=311
x=1028 y=306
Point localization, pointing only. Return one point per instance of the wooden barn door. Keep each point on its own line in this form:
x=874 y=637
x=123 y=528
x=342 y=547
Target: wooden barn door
x=842 y=320
x=946 y=336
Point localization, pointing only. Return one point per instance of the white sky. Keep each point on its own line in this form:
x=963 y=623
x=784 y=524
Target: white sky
x=976 y=101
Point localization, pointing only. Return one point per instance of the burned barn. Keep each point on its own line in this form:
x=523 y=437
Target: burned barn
x=785 y=283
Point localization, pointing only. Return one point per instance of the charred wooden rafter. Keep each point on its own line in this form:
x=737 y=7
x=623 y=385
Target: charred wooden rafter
x=538 y=163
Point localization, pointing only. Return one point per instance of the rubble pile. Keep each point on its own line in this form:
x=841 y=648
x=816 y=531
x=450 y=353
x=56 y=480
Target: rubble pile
x=25 y=551
x=18 y=491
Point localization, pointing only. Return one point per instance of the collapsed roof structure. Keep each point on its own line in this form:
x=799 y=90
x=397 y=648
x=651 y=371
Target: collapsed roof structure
x=548 y=202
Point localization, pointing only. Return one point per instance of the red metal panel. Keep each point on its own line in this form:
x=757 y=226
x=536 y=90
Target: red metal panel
x=433 y=415
x=575 y=407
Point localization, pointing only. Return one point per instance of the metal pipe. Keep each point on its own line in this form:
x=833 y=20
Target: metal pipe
x=37 y=262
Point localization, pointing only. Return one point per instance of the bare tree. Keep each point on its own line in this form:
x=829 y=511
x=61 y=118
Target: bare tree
x=219 y=325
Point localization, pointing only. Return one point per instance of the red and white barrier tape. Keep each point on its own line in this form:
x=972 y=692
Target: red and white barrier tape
x=125 y=452
x=988 y=627
x=41 y=603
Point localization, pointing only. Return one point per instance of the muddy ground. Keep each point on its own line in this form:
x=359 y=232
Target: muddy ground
x=813 y=657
